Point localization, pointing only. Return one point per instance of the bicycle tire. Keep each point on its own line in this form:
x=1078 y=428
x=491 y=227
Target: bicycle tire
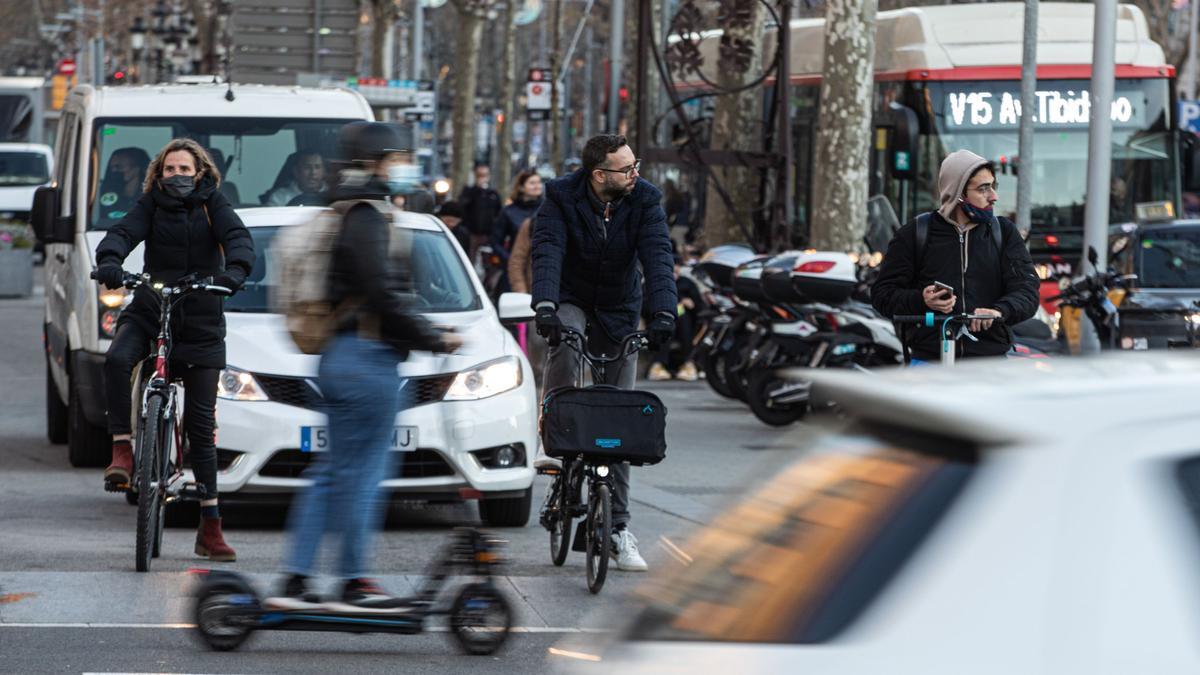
x=560 y=532
x=599 y=536
x=149 y=499
x=166 y=444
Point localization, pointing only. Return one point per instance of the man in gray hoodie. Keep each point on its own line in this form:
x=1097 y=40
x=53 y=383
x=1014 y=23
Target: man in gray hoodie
x=966 y=247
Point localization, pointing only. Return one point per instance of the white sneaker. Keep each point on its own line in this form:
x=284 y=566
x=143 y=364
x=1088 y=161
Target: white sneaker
x=542 y=461
x=658 y=373
x=626 y=552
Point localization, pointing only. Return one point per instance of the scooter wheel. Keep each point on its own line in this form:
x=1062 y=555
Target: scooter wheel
x=758 y=388
x=480 y=619
x=216 y=601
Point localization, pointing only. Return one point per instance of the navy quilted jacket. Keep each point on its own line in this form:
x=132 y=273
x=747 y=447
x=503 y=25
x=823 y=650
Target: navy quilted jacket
x=573 y=262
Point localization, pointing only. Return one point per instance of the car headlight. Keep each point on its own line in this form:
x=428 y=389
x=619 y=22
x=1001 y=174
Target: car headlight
x=111 y=304
x=238 y=385
x=1194 y=318
x=441 y=186
x=484 y=380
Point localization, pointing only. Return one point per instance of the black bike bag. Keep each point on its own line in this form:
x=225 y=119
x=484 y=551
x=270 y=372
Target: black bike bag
x=604 y=424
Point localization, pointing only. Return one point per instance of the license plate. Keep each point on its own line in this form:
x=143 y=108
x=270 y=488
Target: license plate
x=316 y=439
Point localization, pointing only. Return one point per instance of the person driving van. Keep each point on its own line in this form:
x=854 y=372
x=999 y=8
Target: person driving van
x=122 y=183
x=307 y=177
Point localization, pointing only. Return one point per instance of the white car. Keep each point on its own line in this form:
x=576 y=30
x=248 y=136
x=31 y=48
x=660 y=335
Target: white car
x=24 y=167
x=471 y=426
x=1024 y=516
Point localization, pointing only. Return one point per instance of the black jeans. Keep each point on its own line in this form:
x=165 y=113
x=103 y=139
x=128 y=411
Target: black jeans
x=685 y=333
x=132 y=345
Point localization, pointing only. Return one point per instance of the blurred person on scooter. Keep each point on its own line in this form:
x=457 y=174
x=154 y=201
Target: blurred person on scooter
x=594 y=228
x=981 y=257
x=358 y=377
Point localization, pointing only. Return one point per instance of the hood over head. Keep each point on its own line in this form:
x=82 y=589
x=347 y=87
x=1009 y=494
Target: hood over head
x=952 y=179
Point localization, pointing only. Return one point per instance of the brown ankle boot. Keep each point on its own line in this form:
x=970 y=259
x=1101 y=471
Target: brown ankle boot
x=122 y=463
x=210 y=543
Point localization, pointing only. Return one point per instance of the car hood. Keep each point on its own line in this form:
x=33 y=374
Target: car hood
x=1162 y=299
x=260 y=343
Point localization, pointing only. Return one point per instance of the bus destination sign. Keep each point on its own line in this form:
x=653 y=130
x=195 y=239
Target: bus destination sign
x=977 y=109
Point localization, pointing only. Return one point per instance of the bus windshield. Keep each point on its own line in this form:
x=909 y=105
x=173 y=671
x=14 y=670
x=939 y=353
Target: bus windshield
x=983 y=117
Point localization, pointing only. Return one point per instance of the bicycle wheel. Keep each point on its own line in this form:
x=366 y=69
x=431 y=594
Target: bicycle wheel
x=599 y=536
x=166 y=448
x=149 y=499
x=561 y=518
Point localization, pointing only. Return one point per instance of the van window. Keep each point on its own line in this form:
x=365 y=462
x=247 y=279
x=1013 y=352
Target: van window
x=23 y=169
x=262 y=161
x=802 y=557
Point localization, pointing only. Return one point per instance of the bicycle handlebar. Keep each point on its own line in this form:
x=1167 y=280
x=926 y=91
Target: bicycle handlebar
x=575 y=340
x=132 y=281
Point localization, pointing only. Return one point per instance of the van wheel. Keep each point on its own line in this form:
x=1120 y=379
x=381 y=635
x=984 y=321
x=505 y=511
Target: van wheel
x=56 y=412
x=513 y=512
x=88 y=445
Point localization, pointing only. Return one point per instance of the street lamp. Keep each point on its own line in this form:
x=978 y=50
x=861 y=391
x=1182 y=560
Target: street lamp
x=137 y=43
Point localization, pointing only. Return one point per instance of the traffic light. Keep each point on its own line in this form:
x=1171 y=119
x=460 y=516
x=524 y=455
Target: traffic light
x=117 y=77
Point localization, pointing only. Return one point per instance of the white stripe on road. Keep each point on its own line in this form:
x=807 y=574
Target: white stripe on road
x=431 y=629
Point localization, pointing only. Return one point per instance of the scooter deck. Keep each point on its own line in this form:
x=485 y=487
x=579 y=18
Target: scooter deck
x=410 y=623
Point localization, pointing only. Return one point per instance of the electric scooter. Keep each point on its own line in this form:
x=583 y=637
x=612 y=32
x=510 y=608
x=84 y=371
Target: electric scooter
x=227 y=609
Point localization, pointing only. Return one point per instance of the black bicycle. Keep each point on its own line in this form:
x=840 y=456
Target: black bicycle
x=590 y=429
x=159 y=441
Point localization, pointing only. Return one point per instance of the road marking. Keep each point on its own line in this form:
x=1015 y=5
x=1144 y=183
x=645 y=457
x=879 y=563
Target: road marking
x=432 y=629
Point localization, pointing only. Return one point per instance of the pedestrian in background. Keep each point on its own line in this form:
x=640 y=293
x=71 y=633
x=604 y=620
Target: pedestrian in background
x=480 y=206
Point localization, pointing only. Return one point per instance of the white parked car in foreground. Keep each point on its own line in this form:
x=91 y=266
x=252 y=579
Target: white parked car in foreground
x=471 y=426
x=1024 y=516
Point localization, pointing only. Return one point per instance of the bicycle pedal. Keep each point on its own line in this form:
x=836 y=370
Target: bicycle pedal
x=112 y=486
x=189 y=492
x=548 y=471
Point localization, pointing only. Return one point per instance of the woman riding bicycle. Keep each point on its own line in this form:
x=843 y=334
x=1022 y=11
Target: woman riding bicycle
x=188 y=227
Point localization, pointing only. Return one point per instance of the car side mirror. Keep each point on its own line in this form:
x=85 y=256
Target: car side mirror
x=515 y=308
x=48 y=226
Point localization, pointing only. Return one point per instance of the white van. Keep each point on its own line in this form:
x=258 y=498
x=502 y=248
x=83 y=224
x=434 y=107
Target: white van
x=105 y=138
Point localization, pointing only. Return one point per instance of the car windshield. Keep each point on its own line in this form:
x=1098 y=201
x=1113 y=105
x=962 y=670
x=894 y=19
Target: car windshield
x=1169 y=258
x=440 y=281
x=23 y=169
x=263 y=161
x=803 y=556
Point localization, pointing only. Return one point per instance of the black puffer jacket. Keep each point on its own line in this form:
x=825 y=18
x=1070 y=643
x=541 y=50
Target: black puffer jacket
x=573 y=261
x=1005 y=282
x=363 y=268
x=183 y=236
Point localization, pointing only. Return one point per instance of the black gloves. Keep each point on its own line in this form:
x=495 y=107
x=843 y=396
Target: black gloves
x=661 y=330
x=232 y=278
x=111 y=274
x=549 y=325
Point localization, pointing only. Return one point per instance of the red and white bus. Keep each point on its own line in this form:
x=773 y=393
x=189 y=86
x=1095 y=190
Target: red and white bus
x=948 y=77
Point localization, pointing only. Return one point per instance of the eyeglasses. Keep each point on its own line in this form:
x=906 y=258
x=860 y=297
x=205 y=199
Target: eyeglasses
x=984 y=189
x=627 y=171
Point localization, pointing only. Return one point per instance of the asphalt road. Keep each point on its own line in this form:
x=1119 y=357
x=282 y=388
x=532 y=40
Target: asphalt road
x=71 y=602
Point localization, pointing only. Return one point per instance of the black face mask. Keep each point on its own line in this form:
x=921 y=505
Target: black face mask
x=179 y=186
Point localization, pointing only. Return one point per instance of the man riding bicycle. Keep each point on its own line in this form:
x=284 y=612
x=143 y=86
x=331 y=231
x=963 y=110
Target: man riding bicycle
x=960 y=259
x=189 y=228
x=593 y=229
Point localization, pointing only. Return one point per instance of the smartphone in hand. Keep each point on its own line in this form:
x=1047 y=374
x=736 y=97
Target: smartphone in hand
x=946 y=290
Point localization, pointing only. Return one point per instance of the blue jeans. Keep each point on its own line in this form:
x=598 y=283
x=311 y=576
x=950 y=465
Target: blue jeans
x=361 y=389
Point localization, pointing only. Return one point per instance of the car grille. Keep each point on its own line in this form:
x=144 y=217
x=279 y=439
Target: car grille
x=302 y=392
x=420 y=463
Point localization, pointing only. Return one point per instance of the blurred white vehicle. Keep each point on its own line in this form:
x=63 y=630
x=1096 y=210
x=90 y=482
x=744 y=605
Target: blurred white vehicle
x=471 y=425
x=1023 y=516
x=24 y=167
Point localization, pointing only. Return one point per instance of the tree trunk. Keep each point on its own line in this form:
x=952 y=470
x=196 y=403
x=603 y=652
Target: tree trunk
x=466 y=69
x=736 y=121
x=382 y=17
x=508 y=85
x=844 y=127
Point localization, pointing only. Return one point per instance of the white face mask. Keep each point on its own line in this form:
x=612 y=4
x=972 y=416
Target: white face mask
x=403 y=178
